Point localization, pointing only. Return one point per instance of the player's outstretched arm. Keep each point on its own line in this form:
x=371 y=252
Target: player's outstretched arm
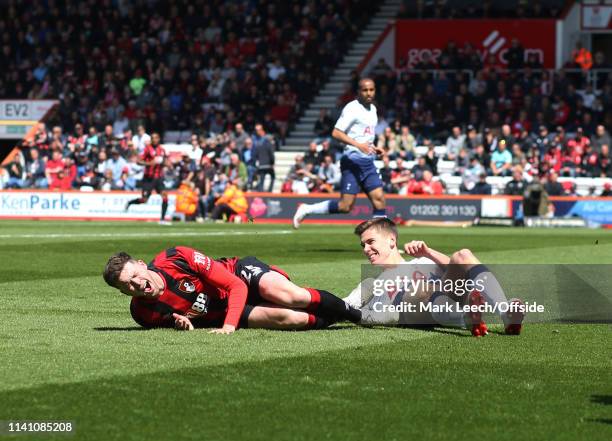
x=226 y=329
x=418 y=248
x=339 y=135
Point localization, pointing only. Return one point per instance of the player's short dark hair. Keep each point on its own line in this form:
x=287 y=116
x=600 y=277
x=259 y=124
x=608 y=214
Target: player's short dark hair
x=364 y=79
x=114 y=266
x=379 y=223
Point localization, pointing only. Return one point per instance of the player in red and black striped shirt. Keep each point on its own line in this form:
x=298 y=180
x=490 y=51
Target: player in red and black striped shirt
x=183 y=288
x=153 y=159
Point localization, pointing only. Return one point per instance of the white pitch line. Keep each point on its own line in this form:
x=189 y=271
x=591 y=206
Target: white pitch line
x=148 y=234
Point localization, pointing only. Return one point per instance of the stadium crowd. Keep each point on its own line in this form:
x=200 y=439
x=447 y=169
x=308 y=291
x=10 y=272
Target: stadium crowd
x=174 y=65
x=514 y=120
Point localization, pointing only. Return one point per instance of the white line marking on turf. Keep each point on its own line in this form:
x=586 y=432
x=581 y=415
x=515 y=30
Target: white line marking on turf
x=148 y=234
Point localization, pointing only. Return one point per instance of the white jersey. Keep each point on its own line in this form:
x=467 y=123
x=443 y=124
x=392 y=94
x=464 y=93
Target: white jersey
x=363 y=295
x=358 y=122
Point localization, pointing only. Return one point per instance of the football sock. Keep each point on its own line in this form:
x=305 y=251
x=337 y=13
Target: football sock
x=318 y=208
x=164 y=207
x=330 y=306
x=446 y=316
x=379 y=213
x=333 y=207
x=135 y=201
x=493 y=292
x=316 y=322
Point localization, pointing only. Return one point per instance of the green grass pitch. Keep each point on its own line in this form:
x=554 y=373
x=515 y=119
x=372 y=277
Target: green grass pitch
x=70 y=351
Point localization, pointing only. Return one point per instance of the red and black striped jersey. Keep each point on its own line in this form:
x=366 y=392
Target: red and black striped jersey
x=196 y=286
x=149 y=154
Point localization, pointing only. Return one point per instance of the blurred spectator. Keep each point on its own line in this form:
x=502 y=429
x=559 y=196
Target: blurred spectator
x=516 y=186
x=454 y=143
x=481 y=187
x=55 y=165
x=231 y=203
x=501 y=160
x=419 y=168
x=600 y=138
x=329 y=173
x=552 y=185
x=607 y=190
x=323 y=126
x=406 y=143
x=118 y=167
x=15 y=174
x=264 y=158
x=35 y=171
x=141 y=139
x=471 y=175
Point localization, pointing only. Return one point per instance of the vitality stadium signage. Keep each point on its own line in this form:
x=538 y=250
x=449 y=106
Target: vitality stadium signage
x=414 y=39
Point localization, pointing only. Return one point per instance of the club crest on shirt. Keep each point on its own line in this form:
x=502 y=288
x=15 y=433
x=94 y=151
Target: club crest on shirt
x=186 y=286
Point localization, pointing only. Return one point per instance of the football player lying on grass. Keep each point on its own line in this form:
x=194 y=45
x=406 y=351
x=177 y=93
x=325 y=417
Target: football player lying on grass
x=379 y=242
x=184 y=289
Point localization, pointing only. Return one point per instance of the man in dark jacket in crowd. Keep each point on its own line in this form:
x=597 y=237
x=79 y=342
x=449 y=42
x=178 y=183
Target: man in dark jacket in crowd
x=264 y=157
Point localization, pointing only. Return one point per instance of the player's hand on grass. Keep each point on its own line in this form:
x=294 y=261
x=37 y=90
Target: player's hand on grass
x=226 y=329
x=182 y=323
x=417 y=248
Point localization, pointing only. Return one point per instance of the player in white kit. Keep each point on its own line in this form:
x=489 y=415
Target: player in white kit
x=379 y=242
x=354 y=129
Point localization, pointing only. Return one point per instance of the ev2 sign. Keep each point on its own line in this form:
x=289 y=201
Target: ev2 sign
x=24 y=110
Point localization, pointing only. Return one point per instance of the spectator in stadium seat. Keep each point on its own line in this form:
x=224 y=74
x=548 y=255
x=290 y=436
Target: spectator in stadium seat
x=607 y=190
x=35 y=171
x=387 y=141
x=141 y=139
x=54 y=166
x=462 y=162
x=419 y=168
x=481 y=187
x=428 y=185
x=15 y=174
x=236 y=170
x=471 y=175
x=501 y=160
x=239 y=136
x=329 y=173
x=516 y=186
x=600 y=138
x=118 y=167
x=406 y=143
x=454 y=143
x=134 y=172
x=386 y=175
x=604 y=161
x=552 y=185
x=312 y=155
x=431 y=159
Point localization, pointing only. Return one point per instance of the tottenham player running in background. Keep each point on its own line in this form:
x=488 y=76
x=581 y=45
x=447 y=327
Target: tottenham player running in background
x=153 y=159
x=354 y=129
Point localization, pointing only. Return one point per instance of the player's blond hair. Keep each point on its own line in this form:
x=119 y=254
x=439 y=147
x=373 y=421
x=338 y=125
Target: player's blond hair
x=380 y=223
